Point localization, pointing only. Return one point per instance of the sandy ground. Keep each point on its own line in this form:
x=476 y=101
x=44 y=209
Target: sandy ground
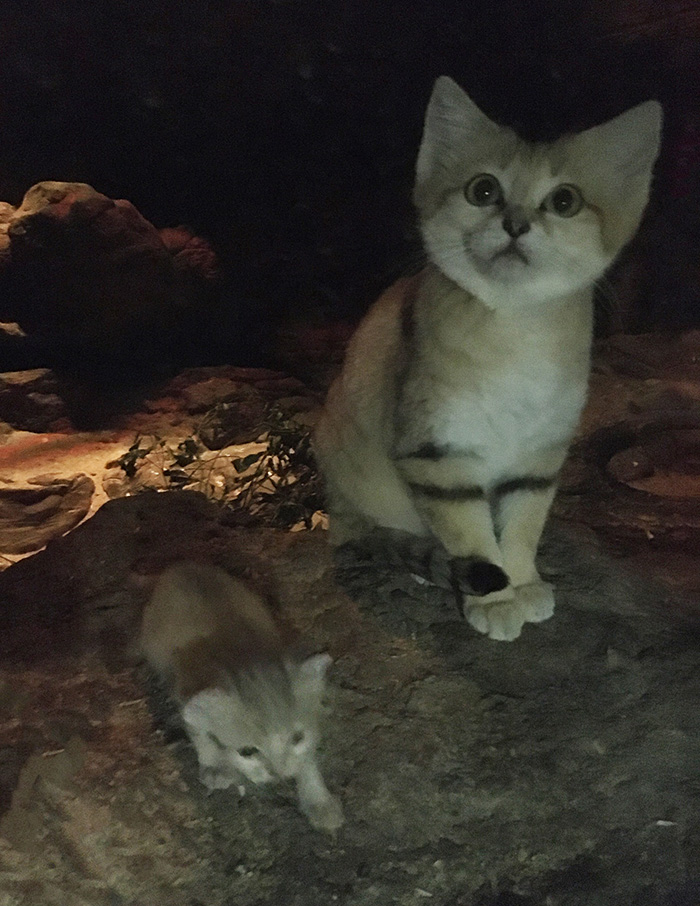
x=559 y=769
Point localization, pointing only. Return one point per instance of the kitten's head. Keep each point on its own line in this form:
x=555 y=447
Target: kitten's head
x=517 y=223
x=265 y=722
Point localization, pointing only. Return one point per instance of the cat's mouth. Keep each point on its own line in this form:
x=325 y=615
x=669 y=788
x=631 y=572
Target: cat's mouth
x=511 y=252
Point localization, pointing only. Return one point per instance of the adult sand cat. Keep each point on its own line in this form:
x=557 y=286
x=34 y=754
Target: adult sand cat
x=462 y=387
x=250 y=708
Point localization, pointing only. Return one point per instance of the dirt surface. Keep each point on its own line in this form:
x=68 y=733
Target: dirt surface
x=557 y=770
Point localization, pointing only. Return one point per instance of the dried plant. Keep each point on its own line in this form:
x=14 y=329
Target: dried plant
x=275 y=483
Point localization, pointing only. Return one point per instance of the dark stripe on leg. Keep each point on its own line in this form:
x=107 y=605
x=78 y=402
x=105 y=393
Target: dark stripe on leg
x=436 y=452
x=435 y=492
x=526 y=483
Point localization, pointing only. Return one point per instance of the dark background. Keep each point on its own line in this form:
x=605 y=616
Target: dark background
x=285 y=131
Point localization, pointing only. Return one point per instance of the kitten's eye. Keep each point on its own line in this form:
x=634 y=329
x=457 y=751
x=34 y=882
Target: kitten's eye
x=248 y=751
x=482 y=190
x=297 y=738
x=564 y=201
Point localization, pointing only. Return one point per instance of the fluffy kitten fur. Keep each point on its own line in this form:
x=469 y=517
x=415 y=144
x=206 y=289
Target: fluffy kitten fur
x=462 y=387
x=250 y=709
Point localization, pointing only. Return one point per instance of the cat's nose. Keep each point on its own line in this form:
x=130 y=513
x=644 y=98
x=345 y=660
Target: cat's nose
x=515 y=224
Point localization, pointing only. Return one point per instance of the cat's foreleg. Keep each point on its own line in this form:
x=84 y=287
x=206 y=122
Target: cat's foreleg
x=321 y=808
x=454 y=505
x=522 y=507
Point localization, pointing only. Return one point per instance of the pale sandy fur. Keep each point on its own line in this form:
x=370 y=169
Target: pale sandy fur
x=462 y=387
x=249 y=705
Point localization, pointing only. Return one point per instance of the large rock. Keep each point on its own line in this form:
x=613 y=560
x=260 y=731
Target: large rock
x=30 y=517
x=95 y=286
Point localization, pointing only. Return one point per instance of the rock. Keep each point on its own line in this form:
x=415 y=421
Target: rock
x=630 y=465
x=95 y=282
x=30 y=517
x=192 y=255
x=32 y=400
x=237 y=422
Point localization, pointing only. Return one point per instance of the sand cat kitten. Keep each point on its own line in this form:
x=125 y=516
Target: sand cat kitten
x=249 y=708
x=462 y=387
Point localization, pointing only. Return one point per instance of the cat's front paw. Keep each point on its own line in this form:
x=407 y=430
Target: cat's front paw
x=500 y=620
x=324 y=814
x=537 y=600
x=215 y=778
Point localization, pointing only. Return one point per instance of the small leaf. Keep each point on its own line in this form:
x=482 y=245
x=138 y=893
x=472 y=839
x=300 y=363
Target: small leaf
x=240 y=465
x=186 y=452
x=177 y=476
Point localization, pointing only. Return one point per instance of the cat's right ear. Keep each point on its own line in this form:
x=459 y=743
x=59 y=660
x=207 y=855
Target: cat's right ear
x=452 y=121
x=207 y=709
x=309 y=676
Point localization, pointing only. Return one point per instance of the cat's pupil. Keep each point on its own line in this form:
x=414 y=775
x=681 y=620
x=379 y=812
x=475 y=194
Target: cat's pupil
x=297 y=738
x=484 y=190
x=248 y=751
x=563 y=200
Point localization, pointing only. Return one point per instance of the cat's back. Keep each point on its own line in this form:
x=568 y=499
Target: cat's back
x=196 y=605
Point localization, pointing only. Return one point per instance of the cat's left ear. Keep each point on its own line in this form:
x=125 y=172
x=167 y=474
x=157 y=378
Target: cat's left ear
x=310 y=675
x=629 y=142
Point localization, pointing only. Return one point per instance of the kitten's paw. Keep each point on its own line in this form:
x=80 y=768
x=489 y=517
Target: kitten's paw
x=537 y=600
x=500 y=620
x=324 y=814
x=215 y=778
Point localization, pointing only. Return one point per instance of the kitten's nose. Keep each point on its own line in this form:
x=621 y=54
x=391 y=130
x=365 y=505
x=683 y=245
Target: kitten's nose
x=515 y=224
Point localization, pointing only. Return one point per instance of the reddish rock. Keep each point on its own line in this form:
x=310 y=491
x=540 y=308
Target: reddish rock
x=96 y=283
x=30 y=517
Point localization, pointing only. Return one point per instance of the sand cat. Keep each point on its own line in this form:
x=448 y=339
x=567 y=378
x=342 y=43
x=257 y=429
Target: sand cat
x=462 y=386
x=249 y=707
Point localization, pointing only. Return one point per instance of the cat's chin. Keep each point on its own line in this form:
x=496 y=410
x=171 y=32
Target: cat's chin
x=494 y=281
x=509 y=281
x=506 y=266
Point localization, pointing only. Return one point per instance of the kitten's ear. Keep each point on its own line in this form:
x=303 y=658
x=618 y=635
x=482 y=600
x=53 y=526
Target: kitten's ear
x=629 y=142
x=310 y=675
x=196 y=712
x=209 y=708
x=452 y=122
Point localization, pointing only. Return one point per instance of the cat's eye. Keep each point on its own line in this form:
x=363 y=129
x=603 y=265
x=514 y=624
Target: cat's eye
x=248 y=751
x=297 y=738
x=564 y=201
x=482 y=190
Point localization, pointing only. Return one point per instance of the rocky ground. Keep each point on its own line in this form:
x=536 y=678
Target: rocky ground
x=559 y=769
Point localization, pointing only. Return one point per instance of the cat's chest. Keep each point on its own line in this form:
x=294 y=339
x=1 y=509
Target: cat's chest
x=496 y=407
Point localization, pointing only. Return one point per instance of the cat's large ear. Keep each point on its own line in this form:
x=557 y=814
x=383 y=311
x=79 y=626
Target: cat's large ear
x=453 y=124
x=309 y=676
x=615 y=162
x=203 y=711
x=627 y=145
